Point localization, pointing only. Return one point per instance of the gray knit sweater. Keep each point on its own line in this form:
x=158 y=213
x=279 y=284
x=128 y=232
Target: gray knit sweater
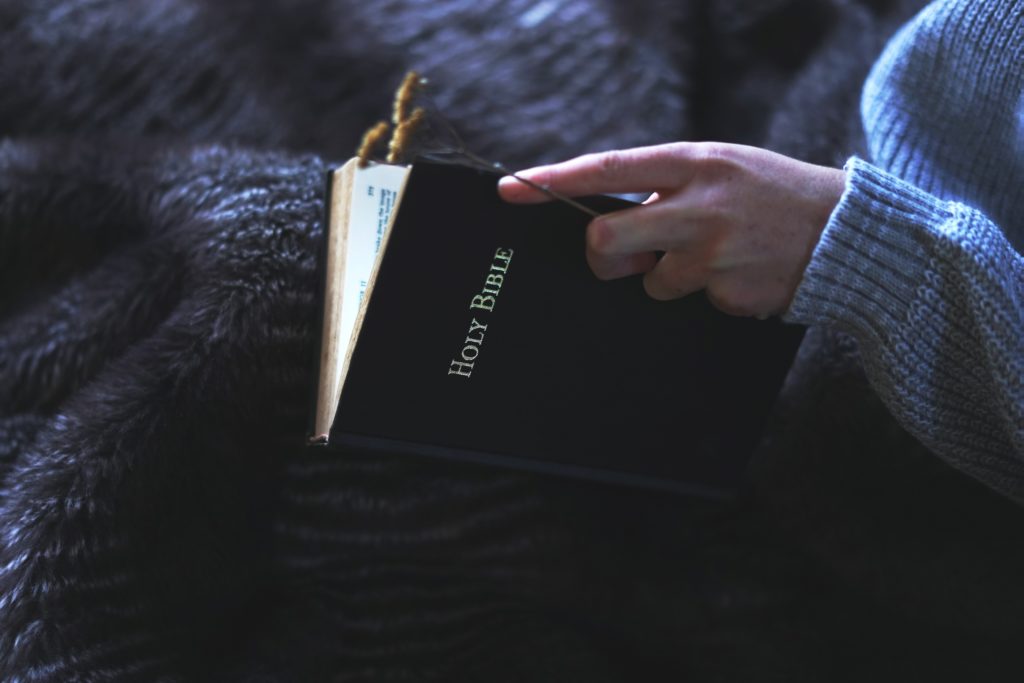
x=921 y=258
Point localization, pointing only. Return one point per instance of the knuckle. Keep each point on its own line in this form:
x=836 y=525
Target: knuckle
x=717 y=200
x=611 y=164
x=715 y=157
x=600 y=237
x=711 y=151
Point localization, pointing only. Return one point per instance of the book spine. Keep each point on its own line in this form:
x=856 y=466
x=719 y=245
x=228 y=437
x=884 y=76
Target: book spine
x=312 y=438
x=384 y=447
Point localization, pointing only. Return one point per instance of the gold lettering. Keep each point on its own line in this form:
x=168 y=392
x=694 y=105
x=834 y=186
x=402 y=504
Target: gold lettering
x=473 y=327
x=482 y=302
x=460 y=368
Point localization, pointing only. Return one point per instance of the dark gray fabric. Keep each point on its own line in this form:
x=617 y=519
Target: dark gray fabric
x=160 y=199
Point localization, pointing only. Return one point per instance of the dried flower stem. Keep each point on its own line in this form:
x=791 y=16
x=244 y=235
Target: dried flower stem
x=371 y=138
x=403 y=135
x=403 y=97
x=407 y=123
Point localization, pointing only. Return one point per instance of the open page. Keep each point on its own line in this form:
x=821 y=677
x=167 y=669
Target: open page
x=374 y=195
x=361 y=204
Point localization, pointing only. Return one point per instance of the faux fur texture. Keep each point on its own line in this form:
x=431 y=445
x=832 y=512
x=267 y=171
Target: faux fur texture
x=160 y=196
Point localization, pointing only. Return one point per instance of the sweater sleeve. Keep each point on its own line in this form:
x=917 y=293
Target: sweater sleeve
x=934 y=293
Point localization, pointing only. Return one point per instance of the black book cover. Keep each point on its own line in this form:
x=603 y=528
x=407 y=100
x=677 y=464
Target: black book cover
x=567 y=373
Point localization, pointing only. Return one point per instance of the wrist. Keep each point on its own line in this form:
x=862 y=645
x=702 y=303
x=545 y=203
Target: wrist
x=867 y=266
x=824 y=187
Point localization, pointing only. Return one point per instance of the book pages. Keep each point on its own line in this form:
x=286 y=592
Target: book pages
x=361 y=204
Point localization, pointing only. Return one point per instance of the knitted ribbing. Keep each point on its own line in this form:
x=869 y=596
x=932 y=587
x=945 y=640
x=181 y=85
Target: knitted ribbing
x=918 y=258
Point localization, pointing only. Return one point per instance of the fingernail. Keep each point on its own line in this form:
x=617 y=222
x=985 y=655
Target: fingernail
x=513 y=185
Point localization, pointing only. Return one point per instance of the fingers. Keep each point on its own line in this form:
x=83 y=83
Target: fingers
x=642 y=169
x=614 y=267
x=660 y=226
x=623 y=243
x=677 y=274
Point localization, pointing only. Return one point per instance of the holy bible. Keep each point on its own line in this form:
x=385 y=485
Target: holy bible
x=459 y=326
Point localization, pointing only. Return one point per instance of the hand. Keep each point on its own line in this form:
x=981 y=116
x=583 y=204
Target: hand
x=740 y=221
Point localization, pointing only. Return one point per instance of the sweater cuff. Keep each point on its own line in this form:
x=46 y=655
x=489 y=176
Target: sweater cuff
x=865 y=271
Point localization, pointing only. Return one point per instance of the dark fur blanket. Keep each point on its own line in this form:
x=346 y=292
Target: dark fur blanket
x=160 y=192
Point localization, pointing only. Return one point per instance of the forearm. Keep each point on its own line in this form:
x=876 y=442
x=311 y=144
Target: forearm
x=935 y=294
